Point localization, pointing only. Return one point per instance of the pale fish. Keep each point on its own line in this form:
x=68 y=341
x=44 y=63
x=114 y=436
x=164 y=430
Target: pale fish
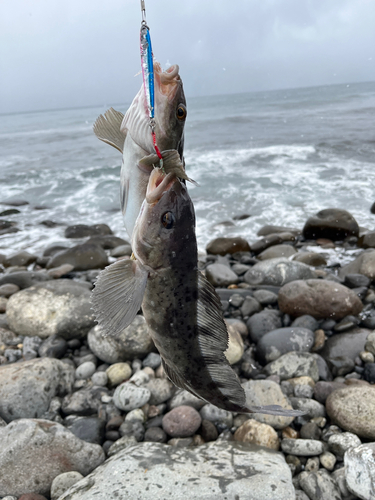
x=131 y=135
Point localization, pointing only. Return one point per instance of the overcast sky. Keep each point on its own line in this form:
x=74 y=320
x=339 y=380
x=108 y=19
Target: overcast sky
x=69 y=53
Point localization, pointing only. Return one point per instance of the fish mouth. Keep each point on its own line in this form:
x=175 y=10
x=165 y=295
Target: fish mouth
x=168 y=81
x=158 y=184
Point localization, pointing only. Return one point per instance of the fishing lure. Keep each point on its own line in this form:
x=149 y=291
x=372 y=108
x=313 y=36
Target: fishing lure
x=147 y=64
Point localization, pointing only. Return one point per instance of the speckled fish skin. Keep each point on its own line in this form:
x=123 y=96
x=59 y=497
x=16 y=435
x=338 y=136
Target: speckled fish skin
x=192 y=353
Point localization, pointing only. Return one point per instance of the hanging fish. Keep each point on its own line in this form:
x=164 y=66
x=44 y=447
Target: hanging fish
x=181 y=308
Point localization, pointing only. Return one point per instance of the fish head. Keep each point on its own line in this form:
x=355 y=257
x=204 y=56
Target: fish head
x=170 y=113
x=165 y=228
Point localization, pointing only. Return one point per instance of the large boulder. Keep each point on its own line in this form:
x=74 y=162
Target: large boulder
x=34 y=452
x=133 y=342
x=27 y=387
x=332 y=223
x=81 y=257
x=278 y=272
x=60 y=307
x=212 y=471
x=353 y=409
x=318 y=298
x=222 y=246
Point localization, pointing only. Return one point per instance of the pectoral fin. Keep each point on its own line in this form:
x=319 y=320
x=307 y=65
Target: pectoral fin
x=118 y=295
x=107 y=129
x=171 y=164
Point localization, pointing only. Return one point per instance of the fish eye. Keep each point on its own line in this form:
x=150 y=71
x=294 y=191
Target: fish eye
x=168 y=220
x=181 y=112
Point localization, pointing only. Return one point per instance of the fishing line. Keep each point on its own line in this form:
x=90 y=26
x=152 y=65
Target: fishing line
x=147 y=64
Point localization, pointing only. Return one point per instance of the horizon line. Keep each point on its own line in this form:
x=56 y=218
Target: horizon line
x=192 y=97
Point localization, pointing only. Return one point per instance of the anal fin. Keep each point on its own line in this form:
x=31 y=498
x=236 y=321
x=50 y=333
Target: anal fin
x=118 y=295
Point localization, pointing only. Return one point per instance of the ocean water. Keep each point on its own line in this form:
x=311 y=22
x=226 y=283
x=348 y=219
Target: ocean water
x=278 y=156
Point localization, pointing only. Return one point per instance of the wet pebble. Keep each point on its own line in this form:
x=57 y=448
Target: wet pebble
x=182 y=421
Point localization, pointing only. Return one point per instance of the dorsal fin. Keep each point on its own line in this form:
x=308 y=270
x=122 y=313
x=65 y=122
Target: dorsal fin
x=107 y=129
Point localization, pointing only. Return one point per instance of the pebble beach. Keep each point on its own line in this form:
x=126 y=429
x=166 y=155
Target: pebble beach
x=85 y=416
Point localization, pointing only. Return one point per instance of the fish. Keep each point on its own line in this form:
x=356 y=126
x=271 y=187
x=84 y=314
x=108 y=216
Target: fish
x=181 y=308
x=131 y=135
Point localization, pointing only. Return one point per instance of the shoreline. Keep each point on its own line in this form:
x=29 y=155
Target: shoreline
x=301 y=334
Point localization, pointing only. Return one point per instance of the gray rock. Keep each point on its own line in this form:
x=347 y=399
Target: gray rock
x=27 y=387
x=360 y=471
x=161 y=390
x=323 y=389
x=121 y=444
x=340 y=443
x=302 y=447
x=89 y=429
x=155 y=435
x=220 y=275
x=185 y=398
x=22 y=258
x=306 y=321
x=133 y=342
x=81 y=257
x=310 y=258
x=85 y=370
x=345 y=344
x=100 y=379
x=353 y=409
x=59 y=307
x=217 y=415
x=277 y=251
x=212 y=471
x=30 y=347
x=313 y=408
x=331 y=223
x=273 y=344
x=83 y=230
x=264 y=393
x=319 y=485
x=294 y=364
x=363 y=264
x=265 y=297
x=8 y=289
x=278 y=272
x=128 y=396
x=34 y=452
x=153 y=360
x=250 y=306
x=370 y=343
x=64 y=481
x=24 y=279
x=52 y=347
x=318 y=298
x=263 y=322
x=84 y=401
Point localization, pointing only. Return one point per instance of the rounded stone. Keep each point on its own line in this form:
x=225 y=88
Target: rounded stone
x=318 y=298
x=277 y=342
x=161 y=390
x=363 y=264
x=64 y=481
x=257 y=433
x=53 y=347
x=118 y=372
x=263 y=322
x=277 y=251
x=216 y=415
x=220 y=275
x=302 y=447
x=331 y=223
x=222 y=246
x=278 y=272
x=81 y=257
x=8 y=289
x=128 y=396
x=294 y=364
x=353 y=409
x=182 y=421
x=310 y=258
x=100 y=379
x=133 y=342
x=155 y=435
x=328 y=460
x=370 y=343
x=59 y=307
x=85 y=370
x=83 y=230
x=208 y=431
x=340 y=443
x=360 y=471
